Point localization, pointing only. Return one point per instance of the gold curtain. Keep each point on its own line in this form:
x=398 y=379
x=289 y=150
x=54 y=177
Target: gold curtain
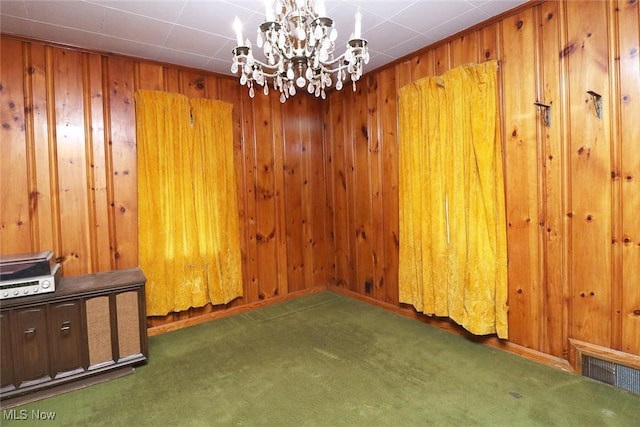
x=188 y=232
x=453 y=258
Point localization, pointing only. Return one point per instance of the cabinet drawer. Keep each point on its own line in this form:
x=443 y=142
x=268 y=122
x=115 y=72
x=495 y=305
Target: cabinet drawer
x=68 y=345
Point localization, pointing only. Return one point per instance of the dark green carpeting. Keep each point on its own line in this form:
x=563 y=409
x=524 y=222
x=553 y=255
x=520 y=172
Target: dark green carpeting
x=329 y=360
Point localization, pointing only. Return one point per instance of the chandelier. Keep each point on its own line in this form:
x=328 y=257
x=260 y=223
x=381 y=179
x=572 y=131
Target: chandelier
x=298 y=44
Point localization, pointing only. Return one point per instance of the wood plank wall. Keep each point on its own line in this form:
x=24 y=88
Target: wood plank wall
x=572 y=189
x=68 y=167
x=318 y=181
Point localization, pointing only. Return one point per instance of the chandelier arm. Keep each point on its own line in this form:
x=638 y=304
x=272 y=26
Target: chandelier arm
x=271 y=70
x=333 y=70
x=335 y=60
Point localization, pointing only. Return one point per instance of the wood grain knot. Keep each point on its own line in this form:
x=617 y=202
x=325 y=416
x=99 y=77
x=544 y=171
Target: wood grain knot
x=568 y=50
x=636 y=312
x=365 y=132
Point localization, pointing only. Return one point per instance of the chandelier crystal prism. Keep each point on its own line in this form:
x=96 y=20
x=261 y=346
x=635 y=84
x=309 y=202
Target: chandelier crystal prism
x=298 y=42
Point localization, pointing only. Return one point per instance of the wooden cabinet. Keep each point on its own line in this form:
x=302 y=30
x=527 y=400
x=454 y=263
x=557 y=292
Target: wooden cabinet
x=92 y=328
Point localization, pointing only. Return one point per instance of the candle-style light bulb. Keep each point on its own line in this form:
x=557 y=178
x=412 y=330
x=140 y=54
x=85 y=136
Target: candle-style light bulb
x=237 y=26
x=320 y=8
x=268 y=8
x=358 y=30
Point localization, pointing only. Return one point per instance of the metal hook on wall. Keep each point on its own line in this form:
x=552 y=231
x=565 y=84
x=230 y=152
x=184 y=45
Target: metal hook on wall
x=597 y=102
x=547 y=112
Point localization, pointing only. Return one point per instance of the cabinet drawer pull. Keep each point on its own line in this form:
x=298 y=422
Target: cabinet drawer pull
x=30 y=331
x=66 y=325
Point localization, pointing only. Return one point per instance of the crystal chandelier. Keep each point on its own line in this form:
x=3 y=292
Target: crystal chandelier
x=298 y=43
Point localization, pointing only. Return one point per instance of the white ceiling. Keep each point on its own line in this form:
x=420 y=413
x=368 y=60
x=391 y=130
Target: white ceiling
x=199 y=34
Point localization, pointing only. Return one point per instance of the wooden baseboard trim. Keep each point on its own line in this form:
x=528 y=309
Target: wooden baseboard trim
x=450 y=326
x=535 y=355
x=185 y=323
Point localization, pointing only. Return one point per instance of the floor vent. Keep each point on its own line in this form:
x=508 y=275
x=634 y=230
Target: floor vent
x=611 y=373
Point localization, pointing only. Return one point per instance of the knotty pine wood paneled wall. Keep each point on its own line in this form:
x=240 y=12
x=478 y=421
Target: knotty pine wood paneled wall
x=572 y=189
x=68 y=167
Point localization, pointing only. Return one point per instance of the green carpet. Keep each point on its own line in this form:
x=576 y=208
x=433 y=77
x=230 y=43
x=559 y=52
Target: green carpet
x=329 y=360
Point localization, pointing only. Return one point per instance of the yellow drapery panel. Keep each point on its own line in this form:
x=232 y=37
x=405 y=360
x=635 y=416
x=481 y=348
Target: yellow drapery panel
x=453 y=258
x=189 y=242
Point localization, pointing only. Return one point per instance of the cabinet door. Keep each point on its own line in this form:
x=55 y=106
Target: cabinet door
x=68 y=349
x=7 y=375
x=31 y=349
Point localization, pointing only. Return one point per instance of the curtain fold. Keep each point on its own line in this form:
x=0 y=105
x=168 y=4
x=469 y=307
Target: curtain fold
x=189 y=243
x=452 y=208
